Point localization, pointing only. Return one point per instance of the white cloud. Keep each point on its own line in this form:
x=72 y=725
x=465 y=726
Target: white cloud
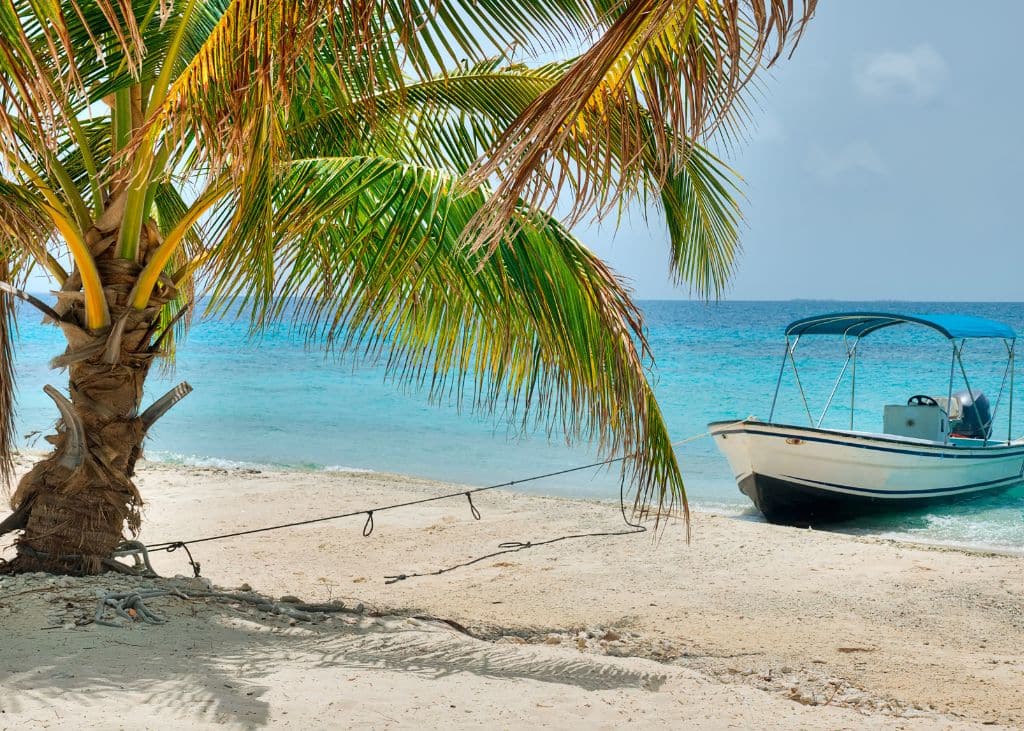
x=915 y=75
x=856 y=157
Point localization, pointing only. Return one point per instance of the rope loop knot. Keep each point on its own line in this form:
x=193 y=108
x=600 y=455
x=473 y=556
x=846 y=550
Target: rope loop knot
x=181 y=544
x=472 y=507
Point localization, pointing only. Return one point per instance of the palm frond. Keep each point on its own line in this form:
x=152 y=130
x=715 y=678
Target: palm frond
x=7 y=383
x=700 y=203
x=238 y=61
x=176 y=316
x=448 y=122
x=366 y=257
x=681 y=63
x=7 y=386
x=13 y=268
x=26 y=230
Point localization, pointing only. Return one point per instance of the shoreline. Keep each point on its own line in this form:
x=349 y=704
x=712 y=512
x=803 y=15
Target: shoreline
x=742 y=510
x=810 y=628
x=745 y=515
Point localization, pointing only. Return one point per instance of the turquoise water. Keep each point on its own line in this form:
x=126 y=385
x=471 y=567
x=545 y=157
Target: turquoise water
x=274 y=402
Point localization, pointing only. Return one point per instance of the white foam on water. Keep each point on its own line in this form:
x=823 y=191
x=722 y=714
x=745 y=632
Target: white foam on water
x=350 y=470
x=957 y=543
x=988 y=532
x=195 y=460
x=202 y=461
x=724 y=509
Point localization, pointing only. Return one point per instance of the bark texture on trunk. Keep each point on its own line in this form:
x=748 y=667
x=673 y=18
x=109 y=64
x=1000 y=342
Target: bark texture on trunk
x=79 y=500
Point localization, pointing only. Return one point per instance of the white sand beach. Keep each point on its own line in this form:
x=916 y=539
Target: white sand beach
x=747 y=626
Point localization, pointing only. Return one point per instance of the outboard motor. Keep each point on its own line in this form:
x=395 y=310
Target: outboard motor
x=975 y=421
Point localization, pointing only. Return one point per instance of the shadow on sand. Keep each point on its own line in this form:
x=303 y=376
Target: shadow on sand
x=215 y=663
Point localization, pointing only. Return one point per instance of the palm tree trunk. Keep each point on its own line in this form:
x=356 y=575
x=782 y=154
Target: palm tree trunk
x=80 y=499
x=82 y=496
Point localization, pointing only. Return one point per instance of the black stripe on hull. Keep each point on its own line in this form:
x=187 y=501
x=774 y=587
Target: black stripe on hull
x=793 y=503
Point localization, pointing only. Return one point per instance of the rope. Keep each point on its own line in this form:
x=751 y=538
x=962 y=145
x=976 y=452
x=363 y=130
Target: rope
x=174 y=547
x=516 y=546
x=131 y=606
x=171 y=546
x=472 y=508
x=139 y=555
x=512 y=547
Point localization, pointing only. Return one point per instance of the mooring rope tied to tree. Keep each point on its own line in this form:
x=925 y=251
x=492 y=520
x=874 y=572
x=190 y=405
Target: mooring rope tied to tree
x=136 y=549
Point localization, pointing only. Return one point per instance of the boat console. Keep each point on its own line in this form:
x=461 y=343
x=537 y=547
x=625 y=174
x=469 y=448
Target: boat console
x=936 y=418
x=920 y=418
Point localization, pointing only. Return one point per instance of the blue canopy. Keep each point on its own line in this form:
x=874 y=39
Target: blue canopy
x=858 y=324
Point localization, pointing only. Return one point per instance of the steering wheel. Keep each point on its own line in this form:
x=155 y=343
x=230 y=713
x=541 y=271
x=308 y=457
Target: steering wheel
x=921 y=400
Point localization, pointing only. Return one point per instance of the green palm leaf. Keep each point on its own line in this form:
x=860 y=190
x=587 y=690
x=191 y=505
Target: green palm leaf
x=367 y=252
x=448 y=122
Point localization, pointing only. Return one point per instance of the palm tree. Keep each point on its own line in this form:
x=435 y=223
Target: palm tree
x=383 y=175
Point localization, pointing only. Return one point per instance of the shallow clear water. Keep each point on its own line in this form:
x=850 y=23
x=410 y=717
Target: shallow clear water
x=274 y=402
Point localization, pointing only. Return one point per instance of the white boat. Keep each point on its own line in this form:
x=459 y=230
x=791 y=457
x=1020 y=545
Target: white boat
x=931 y=449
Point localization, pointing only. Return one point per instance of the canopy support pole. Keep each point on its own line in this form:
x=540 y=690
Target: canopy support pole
x=853 y=381
x=970 y=392
x=778 y=383
x=796 y=375
x=949 y=394
x=1002 y=385
x=849 y=357
x=1012 y=347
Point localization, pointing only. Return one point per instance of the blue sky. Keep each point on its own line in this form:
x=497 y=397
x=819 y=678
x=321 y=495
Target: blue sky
x=884 y=164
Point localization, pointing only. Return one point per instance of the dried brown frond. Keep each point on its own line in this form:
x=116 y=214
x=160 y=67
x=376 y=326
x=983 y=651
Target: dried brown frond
x=120 y=16
x=7 y=387
x=246 y=67
x=39 y=74
x=685 y=61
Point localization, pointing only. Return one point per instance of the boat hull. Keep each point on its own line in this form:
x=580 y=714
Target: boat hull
x=804 y=476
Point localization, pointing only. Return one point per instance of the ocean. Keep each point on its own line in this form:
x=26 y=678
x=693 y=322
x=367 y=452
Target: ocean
x=274 y=402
